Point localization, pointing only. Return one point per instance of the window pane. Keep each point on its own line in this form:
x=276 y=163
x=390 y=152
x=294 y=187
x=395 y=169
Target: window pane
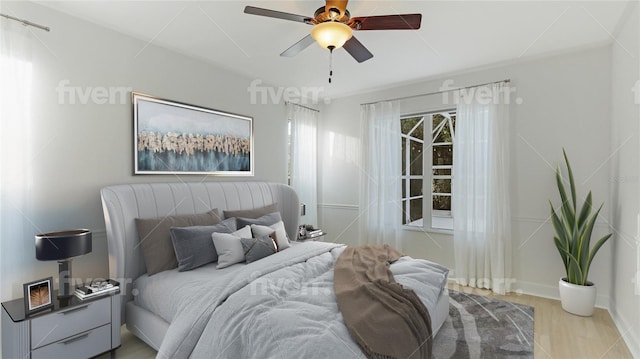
x=437 y=119
x=442 y=203
x=409 y=124
x=404 y=156
x=441 y=186
x=442 y=128
x=416 y=187
x=416 y=158
x=444 y=134
x=404 y=212
x=404 y=188
x=443 y=155
x=415 y=208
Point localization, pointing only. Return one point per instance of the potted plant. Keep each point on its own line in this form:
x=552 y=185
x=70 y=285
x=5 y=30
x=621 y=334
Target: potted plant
x=573 y=239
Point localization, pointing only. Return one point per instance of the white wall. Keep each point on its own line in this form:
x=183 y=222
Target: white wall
x=79 y=148
x=625 y=182
x=565 y=103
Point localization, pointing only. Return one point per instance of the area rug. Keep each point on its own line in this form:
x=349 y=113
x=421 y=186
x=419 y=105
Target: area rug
x=481 y=327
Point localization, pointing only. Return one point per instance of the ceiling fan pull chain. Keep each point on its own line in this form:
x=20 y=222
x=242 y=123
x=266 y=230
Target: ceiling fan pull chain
x=331 y=62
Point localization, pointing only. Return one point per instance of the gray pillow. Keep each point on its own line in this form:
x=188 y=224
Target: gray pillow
x=252 y=213
x=266 y=220
x=229 y=247
x=258 y=248
x=193 y=245
x=276 y=230
x=155 y=239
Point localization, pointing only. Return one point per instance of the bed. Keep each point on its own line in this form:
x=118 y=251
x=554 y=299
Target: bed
x=283 y=303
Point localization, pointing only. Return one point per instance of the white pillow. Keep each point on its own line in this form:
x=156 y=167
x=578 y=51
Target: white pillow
x=278 y=227
x=229 y=247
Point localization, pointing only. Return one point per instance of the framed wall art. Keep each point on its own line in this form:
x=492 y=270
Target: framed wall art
x=177 y=138
x=38 y=295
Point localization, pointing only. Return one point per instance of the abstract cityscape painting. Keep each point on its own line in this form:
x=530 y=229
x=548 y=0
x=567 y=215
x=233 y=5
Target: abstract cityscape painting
x=177 y=138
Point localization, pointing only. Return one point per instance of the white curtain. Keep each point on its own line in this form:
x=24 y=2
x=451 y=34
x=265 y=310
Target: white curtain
x=15 y=154
x=380 y=182
x=304 y=162
x=481 y=213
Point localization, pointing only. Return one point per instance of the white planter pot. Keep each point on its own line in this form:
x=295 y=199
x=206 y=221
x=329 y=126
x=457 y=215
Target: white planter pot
x=577 y=299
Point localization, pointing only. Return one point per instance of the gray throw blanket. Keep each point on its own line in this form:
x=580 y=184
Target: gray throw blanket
x=386 y=320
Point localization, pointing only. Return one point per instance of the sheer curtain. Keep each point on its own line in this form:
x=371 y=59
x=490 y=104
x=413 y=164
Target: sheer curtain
x=304 y=163
x=380 y=182
x=481 y=214
x=15 y=154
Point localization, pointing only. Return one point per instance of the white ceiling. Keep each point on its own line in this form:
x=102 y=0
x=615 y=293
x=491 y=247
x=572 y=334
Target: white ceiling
x=455 y=35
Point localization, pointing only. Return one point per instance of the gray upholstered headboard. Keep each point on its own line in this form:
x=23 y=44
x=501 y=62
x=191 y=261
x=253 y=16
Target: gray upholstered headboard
x=122 y=204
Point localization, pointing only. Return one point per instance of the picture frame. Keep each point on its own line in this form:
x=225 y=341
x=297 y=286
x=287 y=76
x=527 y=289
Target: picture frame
x=38 y=295
x=171 y=137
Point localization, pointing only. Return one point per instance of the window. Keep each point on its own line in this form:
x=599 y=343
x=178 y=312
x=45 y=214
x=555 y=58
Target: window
x=434 y=211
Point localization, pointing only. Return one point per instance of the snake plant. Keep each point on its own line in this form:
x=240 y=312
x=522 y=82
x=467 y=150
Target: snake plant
x=573 y=230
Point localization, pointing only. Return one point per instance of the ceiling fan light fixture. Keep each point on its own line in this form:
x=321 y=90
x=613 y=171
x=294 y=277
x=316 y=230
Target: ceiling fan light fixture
x=331 y=34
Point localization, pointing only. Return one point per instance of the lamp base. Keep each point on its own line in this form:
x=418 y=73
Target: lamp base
x=65 y=286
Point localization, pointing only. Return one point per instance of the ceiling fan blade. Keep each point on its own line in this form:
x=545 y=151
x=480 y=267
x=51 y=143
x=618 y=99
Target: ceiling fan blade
x=276 y=14
x=387 y=22
x=338 y=4
x=298 y=46
x=357 y=50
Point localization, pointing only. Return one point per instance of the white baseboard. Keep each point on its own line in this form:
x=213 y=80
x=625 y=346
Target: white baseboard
x=542 y=291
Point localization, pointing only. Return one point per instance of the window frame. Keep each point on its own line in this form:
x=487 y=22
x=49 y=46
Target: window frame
x=427 y=175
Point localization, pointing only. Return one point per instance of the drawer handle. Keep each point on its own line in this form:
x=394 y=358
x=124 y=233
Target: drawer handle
x=75 y=309
x=75 y=339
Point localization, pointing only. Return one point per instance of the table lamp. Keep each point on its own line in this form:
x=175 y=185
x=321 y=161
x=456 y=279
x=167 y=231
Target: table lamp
x=62 y=246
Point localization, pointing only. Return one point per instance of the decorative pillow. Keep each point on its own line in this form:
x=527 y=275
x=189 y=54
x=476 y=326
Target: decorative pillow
x=155 y=239
x=193 y=245
x=266 y=220
x=258 y=248
x=277 y=228
x=252 y=213
x=229 y=247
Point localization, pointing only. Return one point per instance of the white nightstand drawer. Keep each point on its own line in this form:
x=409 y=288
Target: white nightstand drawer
x=80 y=346
x=59 y=325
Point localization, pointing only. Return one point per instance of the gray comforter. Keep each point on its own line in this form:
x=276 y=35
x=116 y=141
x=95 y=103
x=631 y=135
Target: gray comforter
x=280 y=306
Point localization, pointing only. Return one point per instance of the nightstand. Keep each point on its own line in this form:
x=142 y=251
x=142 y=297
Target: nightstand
x=74 y=328
x=319 y=238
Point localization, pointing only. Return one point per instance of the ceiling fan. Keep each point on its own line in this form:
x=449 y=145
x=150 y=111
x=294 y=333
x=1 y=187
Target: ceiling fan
x=333 y=27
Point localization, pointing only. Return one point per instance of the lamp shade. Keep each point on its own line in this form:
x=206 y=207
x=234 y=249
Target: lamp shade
x=63 y=244
x=331 y=34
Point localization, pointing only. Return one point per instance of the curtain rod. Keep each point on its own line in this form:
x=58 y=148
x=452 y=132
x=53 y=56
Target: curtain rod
x=26 y=22
x=438 y=92
x=308 y=108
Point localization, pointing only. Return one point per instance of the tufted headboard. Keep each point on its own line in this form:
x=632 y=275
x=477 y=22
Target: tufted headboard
x=122 y=204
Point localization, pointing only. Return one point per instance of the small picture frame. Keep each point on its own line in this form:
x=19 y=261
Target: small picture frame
x=38 y=295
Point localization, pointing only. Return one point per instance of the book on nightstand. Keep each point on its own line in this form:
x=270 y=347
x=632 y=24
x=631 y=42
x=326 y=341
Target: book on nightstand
x=96 y=288
x=316 y=233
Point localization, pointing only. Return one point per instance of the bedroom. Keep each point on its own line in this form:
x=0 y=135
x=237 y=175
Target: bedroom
x=580 y=98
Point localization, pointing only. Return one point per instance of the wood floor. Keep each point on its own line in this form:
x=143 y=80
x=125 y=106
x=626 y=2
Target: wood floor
x=557 y=334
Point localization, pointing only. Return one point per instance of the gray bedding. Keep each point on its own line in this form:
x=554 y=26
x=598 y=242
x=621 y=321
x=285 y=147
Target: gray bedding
x=283 y=304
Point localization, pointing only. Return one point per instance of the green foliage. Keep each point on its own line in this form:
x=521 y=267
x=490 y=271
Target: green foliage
x=574 y=229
